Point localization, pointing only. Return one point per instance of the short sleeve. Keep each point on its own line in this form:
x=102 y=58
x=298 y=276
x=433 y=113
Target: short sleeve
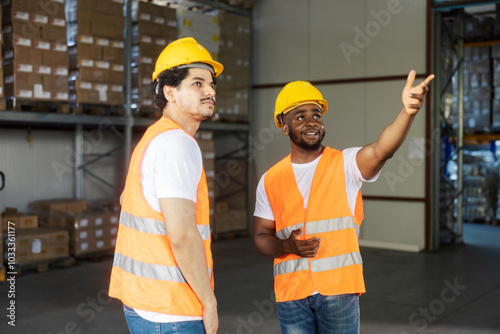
x=177 y=165
x=262 y=205
x=351 y=169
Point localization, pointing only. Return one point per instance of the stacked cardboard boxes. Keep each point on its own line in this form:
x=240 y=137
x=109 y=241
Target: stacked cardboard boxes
x=32 y=243
x=204 y=28
x=154 y=27
x=11 y=217
x=495 y=55
x=89 y=231
x=207 y=146
x=477 y=90
x=2 y=267
x=231 y=197
x=39 y=244
x=96 y=51
x=34 y=50
x=1 y=61
x=234 y=82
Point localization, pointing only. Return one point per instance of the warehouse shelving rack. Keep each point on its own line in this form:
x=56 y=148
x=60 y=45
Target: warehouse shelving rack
x=124 y=125
x=441 y=231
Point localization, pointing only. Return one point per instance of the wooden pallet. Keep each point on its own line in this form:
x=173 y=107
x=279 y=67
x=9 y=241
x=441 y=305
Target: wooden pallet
x=230 y=235
x=43 y=265
x=37 y=106
x=96 y=256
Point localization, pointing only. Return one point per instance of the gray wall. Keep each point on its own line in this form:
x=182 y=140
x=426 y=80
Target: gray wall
x=44 y=169
x=317 y=40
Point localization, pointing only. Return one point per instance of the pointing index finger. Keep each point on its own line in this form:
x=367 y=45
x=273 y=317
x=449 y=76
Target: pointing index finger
x=428 y=80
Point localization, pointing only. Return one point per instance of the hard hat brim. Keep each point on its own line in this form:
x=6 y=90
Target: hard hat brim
x=322 y=104
x=218 y=67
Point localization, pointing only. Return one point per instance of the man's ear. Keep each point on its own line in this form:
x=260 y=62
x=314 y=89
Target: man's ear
x=285 y=129
x=168 y=92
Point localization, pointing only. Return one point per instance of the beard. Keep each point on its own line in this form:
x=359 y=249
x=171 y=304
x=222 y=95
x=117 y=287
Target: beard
x=314 y=146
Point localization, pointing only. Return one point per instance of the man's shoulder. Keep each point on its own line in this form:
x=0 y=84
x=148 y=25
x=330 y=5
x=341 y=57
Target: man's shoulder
x=281 y=163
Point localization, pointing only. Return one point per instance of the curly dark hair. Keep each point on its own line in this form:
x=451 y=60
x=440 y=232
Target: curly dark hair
x=171 y=77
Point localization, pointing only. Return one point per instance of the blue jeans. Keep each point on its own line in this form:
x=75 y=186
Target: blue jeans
x=138 y=325
x=319 y=314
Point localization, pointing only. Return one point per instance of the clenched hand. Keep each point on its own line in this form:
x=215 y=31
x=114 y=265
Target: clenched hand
x=303 y=248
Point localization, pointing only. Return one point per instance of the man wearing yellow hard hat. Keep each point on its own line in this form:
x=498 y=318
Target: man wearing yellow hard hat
x=162 y=268
x=309 y=209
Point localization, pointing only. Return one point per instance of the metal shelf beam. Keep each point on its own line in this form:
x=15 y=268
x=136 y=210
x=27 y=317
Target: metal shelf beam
x=39 y=118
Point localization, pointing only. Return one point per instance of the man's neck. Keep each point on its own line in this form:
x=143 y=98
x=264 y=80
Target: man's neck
x=187 y=124
x=301 y=156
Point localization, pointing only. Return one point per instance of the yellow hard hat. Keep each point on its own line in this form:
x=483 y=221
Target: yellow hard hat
x=184 y=51
x=295 y=94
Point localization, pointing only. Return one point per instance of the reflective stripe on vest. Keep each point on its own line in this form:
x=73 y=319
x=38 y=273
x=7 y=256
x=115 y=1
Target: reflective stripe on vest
x=321 y=226
x=153 y=226
x=328 y=263
x=148 y=270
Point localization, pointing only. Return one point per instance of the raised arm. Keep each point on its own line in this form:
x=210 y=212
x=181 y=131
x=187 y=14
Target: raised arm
x=372 y=157
x=189 y=253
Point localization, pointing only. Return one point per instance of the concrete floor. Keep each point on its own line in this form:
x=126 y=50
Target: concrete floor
x=455 y=290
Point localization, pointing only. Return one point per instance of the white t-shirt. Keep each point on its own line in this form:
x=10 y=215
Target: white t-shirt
x=171 y=168
x=304 y=174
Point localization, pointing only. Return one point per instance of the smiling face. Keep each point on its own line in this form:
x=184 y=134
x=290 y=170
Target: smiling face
x=195 y=95
x=304 y=126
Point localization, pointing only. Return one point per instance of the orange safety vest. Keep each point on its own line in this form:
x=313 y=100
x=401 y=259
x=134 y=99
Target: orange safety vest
x=337 y=267
x=145 y=274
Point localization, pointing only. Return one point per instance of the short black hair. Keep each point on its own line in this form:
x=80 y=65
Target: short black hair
x=171 y=77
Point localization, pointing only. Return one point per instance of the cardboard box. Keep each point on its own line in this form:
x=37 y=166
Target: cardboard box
x=23 y=29
x=221 y=207
x=1 y=240
x=99 y=6
x=54 y=33
x=37 y=31
x=89 y=231
x=59 y=205
x=230 y=221
x=92 y=246
x=230 y=183
x=9 y=220
x=106 y=30
x=41 y=243
x=19 y=221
